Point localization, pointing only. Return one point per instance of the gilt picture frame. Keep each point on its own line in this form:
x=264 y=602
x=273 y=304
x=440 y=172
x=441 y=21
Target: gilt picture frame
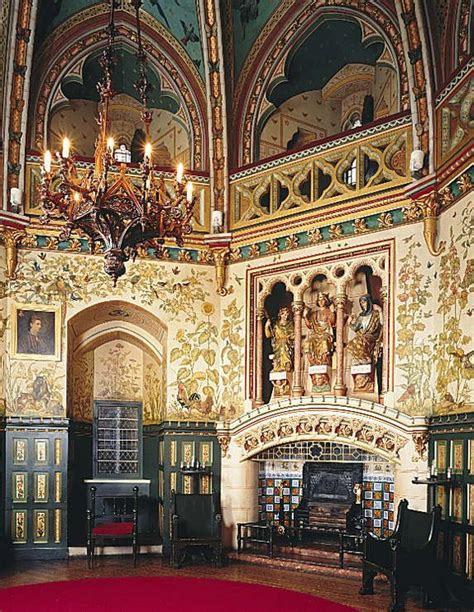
x=36 y=332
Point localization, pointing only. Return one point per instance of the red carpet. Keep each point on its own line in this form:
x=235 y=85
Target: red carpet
x=161 y=594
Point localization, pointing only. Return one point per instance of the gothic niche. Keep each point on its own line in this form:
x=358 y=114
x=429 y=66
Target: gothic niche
x=279 y=339
x=319 y=343
x=364 y=328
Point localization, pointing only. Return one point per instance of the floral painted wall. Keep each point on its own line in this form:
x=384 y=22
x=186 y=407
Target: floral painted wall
x=434 y=349
x=182 y=296
x=202 y=373
x=453 y=343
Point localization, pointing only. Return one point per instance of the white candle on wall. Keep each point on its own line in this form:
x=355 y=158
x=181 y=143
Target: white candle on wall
x=66 y=147
x=47 y=161
x=148 y=151
x=110 y=145
x=179 y=173
x=189 y=191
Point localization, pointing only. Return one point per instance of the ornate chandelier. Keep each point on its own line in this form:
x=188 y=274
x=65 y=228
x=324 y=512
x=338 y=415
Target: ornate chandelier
x=115 y=213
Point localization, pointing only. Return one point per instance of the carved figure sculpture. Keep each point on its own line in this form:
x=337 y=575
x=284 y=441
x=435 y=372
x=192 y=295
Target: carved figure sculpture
x=368 y=332
x=364 y=347
x=319 y=345
x=321 y=321
x=282 y=334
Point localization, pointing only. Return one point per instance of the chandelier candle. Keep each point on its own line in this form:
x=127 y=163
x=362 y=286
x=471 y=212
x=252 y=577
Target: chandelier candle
x=113 y=212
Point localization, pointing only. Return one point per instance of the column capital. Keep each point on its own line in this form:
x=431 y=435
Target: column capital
x=298 y=306
x=340 y=300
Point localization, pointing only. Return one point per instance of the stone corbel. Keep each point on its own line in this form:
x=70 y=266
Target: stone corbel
x=218 y=254
x=430 y=207
x=224 y=443
x=10 y=238
x=420 y=440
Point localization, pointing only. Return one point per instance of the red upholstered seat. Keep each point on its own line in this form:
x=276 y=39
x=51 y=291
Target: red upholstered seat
x=112 y=529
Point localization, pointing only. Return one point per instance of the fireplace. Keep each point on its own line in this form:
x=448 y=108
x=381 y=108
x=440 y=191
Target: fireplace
x=328 y=494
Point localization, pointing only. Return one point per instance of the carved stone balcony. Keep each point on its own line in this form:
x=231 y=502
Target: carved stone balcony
x=331 y=173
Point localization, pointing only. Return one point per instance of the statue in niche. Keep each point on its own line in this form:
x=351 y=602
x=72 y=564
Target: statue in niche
x=364 y=346
x=282 y=335
x=319 y=345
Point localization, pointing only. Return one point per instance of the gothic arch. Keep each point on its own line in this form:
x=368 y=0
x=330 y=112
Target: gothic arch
x=70 y=45
x=360 y=423
x=282 y=34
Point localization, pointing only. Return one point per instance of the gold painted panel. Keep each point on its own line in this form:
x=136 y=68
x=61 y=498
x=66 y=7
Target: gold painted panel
x=19 y=527
x=173 y=452
x=441 y=499
x=457 y=460
x=57 y=526
x=20 y=487
x=41 y=452
x=58 y=451
x=471 y=457
x=20 y=451
x=470 y=505
x=173 y=481
x=187 y=452
x=206 y=484
x=456 y=510
x=206 y=453
x=58 y=487
x=441 y=455
x=41 y=487
x=187 y=484
x=457 y=553
x=40 y=526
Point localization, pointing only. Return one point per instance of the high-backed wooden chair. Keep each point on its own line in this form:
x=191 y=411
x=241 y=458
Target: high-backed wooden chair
x=407 y=558
x=112 y=519
x=195 y=522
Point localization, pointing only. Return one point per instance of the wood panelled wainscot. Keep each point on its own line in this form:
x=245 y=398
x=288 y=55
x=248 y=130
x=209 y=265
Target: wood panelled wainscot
x=34 y=486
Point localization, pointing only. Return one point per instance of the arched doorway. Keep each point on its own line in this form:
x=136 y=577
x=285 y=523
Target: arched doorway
x=116 y=352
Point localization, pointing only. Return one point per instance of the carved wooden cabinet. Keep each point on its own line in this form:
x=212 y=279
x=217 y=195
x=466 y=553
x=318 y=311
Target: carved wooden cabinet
x=34 y=486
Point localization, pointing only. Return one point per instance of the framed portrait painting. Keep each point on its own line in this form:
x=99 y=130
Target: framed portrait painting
x=36 y=331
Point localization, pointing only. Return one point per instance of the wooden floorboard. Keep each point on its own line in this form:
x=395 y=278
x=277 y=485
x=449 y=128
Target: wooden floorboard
x=334 y=588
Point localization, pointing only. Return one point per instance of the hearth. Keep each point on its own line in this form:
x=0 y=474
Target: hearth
x=328 y=495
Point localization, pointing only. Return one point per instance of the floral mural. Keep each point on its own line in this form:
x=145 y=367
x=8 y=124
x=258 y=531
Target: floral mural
x=81 y=392
x=154 y=405
x=197 y=375
x=453 y=354
x=232 y=360
x=70 y=280
x=413 y=317
x=118 y=372
x=34 y=389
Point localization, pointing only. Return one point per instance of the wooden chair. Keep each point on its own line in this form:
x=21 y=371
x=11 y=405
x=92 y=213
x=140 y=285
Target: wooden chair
x=407 y=558
x=195 y=522
x=112 y=519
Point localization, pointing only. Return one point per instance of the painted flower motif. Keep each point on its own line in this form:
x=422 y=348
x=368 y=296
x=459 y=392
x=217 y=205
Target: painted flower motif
x=335 y=231
x=208 y=309
x=314 y=236
x=385 y=220
x=291 y=242
x=360 y=226
x=272 y=247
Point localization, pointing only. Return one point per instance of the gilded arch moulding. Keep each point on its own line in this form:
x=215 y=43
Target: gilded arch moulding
x=280 y=34
x=363 y=424
x=189 y=88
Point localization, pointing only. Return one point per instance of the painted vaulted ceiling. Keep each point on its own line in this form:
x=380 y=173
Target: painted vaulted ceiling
x=179 y=17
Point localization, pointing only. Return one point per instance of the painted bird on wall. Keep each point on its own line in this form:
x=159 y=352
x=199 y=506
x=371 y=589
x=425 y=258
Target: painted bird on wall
x=189 y=33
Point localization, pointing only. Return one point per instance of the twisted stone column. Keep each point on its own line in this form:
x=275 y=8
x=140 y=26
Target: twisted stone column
x=297 y=390
x=340 y=388
x=259 y=358
x=385 y=346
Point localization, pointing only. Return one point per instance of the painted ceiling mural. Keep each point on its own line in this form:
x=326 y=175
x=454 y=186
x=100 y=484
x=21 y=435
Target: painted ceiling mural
x=248 y=19
x=178 y=16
